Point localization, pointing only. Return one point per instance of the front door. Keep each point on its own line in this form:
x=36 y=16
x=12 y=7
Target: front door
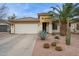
x=45 y=26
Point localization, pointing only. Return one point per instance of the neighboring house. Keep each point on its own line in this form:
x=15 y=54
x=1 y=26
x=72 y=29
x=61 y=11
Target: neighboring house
x=4 y=26
x=31 y=25
x=75 y=27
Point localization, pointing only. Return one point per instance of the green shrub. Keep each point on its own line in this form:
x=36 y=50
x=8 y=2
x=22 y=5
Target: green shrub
x=43 y=35
x=58 y=48
x=46 y=45
x=53 y=44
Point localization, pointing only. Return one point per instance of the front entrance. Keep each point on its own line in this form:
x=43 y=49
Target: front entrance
x=45 y=26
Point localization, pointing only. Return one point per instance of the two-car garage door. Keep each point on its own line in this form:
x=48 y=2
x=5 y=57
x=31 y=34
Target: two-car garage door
x=26 y=28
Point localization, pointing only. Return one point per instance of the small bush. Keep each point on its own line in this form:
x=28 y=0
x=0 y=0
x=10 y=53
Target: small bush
x=43 y=35
x=46 y=45
x=53 y=44
x=58 y=48
x=56 y=37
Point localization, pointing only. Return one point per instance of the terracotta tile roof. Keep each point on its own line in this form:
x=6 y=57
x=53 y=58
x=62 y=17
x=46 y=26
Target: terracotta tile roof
x=28 y=19
x=44 y=14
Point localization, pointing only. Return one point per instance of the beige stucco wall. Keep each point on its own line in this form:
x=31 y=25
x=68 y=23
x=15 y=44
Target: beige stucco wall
x=45 y=19
x=50 y=28
x=73 y=28
x=12 y=28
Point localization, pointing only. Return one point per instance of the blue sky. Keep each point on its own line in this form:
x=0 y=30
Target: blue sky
x=28 y=9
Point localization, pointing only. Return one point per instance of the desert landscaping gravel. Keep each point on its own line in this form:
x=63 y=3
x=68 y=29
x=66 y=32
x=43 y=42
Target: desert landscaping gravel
x=72 y=50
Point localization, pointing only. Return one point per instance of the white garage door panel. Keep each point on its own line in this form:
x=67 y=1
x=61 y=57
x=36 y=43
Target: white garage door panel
x=26 y=28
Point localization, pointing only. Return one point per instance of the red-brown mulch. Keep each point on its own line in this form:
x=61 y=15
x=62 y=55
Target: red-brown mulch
x=72 y=50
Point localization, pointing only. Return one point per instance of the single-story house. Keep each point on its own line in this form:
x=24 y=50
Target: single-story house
x=31 y=25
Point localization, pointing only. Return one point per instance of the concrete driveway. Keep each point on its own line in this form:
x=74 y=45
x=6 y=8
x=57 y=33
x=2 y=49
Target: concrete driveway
x=16 y=45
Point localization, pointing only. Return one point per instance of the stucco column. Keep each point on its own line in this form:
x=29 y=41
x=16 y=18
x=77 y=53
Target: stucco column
x=50 y=28
x=40 y=27
x=12 y=28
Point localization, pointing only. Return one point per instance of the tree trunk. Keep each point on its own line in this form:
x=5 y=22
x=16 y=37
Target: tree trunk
x=68 y=34
x=63 y=28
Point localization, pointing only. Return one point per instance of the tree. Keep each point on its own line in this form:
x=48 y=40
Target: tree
x=65 y=14
x=3 y=11
x=12 y=17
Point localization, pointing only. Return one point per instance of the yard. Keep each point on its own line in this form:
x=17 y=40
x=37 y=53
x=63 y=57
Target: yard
x=27 y=45
x=16 y=44
x=72 y=50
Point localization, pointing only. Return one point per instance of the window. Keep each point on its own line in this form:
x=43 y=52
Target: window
x=42 y=18
x=77 y=27
x=54 y=26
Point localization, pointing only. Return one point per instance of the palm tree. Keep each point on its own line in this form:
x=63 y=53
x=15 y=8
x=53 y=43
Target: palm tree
x=65 y=14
